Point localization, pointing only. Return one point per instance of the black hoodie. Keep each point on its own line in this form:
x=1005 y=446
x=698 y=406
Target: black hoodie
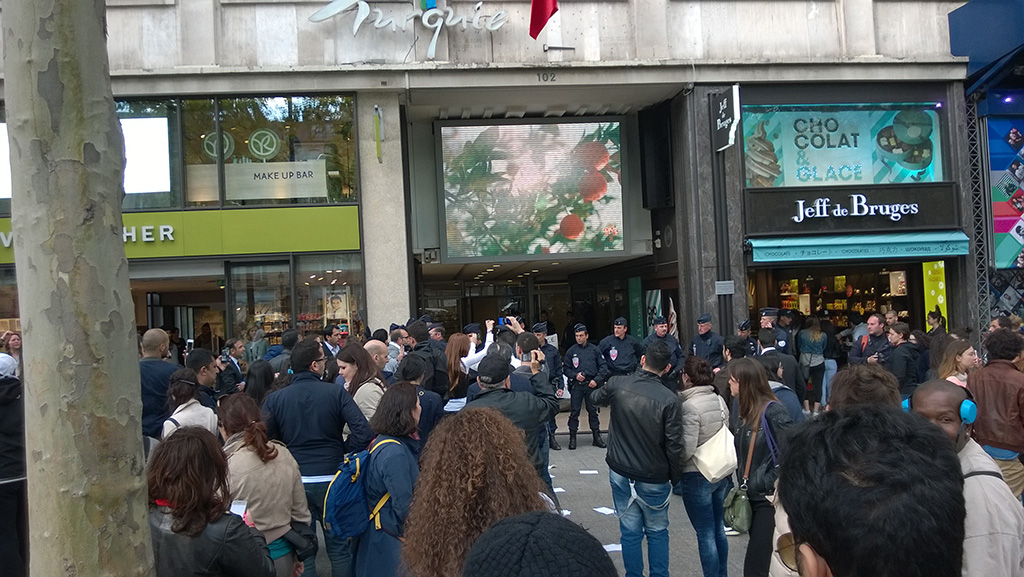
x=12 y=429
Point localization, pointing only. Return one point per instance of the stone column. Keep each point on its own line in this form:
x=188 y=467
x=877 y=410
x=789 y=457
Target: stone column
x=382 y=190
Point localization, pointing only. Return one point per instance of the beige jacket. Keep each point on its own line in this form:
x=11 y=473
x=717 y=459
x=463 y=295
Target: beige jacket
x=367 y=398
x=994 y=537
x=272 y=491
x=704 y=413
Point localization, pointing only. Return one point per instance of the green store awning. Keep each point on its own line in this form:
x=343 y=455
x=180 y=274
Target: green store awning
x=860 y=246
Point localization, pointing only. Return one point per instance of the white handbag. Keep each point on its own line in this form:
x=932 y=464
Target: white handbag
x=716 y=457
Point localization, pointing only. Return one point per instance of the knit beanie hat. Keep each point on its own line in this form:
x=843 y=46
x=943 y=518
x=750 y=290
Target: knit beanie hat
x=537 y=543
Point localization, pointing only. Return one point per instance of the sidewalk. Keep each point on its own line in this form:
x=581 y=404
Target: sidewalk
x=584 y=493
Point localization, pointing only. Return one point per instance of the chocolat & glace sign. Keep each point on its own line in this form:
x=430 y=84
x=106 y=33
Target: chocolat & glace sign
x=841 y=144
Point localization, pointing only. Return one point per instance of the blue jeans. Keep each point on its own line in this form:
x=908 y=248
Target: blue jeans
x=831 y=368
x=339 y=551
x=642 y=509
x=703 y=502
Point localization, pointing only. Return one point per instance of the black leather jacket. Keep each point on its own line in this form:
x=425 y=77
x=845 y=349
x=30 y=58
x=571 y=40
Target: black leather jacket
x=763 y=469
x=645 y=439
x=226 y=548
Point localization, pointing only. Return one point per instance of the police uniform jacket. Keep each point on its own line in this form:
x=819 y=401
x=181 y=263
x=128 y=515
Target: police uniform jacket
x=554 y=364
x=676 y=360
x=709 y=347
x=586 y=360
x=621 y=355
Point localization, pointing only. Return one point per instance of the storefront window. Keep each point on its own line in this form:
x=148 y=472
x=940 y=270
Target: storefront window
x=10 y=315
x=329 y=289
x=289 y=150
x=260 y=296
x=152 y=152
x=201 y=152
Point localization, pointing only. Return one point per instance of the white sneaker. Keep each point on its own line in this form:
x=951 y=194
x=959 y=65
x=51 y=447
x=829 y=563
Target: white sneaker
x=731 y=532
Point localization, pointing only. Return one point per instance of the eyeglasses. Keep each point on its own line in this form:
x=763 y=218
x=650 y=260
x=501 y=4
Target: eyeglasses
x=323 y=358
x=786 y=548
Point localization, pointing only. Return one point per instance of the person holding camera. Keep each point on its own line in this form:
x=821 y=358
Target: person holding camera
x=231 y=379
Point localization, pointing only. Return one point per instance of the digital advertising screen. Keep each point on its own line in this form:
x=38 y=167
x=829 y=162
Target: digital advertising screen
x=531 y=190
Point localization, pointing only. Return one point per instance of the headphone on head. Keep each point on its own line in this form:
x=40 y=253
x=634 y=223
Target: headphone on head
x=968 y=408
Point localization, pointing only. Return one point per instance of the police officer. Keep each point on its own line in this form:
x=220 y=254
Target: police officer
x=708 y=344
x=671 y=376
x=554 y=364
x=787 y=324
x=769 y=316
x=585 y=368
x=743 y=332
x=621 y=350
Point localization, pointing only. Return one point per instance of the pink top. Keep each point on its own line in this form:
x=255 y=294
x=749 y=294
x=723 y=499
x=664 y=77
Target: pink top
x=956 y=380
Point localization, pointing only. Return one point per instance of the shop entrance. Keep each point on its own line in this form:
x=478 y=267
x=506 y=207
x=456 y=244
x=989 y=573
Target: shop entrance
x=909 y=288
x=188 y=303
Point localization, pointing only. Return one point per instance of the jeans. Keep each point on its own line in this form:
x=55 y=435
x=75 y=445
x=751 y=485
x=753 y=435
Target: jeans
x=642 y=509
x=581 y=393
x=831 y=368
x=339 y=551
x=704 y=507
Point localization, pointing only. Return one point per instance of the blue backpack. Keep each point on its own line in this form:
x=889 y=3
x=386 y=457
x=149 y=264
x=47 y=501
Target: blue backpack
x=346 y=513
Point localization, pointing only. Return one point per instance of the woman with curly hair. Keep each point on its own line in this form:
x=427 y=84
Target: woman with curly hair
x=474 y=471
x=192 y=532
x=264 y=475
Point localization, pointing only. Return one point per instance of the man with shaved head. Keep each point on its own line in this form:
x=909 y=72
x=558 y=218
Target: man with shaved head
x=156 y=377
x=379 y=353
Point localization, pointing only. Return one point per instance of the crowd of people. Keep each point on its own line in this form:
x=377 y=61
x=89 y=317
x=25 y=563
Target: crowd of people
x=832 y=441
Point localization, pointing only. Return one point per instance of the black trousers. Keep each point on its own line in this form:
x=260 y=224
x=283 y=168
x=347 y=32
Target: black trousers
x=14 y=529
x=759 y=548
x=582 y=393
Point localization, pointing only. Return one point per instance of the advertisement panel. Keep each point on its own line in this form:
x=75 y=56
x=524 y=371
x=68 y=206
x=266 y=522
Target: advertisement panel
x=841 y=144
x=520 y=190
x=1006 y=175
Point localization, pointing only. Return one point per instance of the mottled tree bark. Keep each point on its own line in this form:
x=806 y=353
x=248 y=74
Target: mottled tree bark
x=87 y=492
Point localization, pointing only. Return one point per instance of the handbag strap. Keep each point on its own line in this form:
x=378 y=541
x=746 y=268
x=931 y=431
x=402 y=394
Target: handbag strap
x=773 y=447
x=750 y=455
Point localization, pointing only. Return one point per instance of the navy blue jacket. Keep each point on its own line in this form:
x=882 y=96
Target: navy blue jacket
x=676 y=360
x=709 y=347
x=431 y=411
x=587 y=360
x=308 y=416
x=393 y=469
x=621 y=355
x=156 y=377
x=554 y=363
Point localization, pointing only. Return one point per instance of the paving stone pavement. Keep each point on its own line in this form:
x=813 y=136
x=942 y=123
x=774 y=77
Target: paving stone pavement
x=584 y=493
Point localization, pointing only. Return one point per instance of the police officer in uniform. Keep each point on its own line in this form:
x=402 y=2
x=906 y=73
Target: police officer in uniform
x=769 y=316
x=671 y=376
x=708 y=344
x=621 y=350
x=554 y=364
x=585 y=368
x=743 y=332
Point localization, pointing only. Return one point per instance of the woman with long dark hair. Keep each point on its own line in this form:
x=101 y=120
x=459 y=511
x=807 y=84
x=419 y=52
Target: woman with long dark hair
x=186 y=410
x=758 y=407
x=391 y=473
x=936 y=322
x=475 y=471
x=258 y=381
x=264 y=475
x=363 y=379
x=704 y=414
x=192 y=532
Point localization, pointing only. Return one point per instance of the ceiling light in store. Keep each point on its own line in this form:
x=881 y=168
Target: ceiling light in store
x=496 y=265
x=334 y=281
x=555 y=263
x=307 y=284
x=312 y=276
x=535 y=270
x=321 y=278
x=329 y=271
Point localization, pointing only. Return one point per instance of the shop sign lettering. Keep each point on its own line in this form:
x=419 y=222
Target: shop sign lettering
x=432 y=19
x=145 y=233
x=859 y=206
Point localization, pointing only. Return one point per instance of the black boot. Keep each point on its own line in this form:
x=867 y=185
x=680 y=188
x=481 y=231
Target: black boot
x=598 y=442
x=552 y=443
x=572 y=440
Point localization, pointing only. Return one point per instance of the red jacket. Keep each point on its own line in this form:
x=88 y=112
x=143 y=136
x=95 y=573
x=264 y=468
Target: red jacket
x=998 y=390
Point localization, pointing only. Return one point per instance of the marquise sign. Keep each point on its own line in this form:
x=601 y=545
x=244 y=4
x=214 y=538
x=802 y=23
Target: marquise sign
x=432 y=18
